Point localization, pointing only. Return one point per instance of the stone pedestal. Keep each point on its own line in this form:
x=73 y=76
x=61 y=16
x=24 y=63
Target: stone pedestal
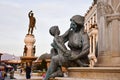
x=29 y=50
x=92 y=73
x=26 y=60
x=29 y=43
x=108 y=18
x=95 y=73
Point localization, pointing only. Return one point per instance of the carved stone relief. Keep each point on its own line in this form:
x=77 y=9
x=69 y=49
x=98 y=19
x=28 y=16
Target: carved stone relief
x=100 y=8
x=118 y=8
x=108 y=9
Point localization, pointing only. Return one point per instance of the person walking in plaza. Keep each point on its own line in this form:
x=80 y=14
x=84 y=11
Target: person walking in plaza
x=28 y=71
x=12 y=74
x=2 y=74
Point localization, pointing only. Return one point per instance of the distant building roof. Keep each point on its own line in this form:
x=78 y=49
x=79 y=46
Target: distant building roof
x=14 y=61
x=7 y=56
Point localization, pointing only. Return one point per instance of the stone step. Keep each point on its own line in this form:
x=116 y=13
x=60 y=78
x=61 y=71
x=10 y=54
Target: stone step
x=62 y=78
x=95 y=73
x=71 y=78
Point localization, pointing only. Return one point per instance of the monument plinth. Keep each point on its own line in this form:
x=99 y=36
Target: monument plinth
x=95 y=73
x=29 y=41
x=29 y=49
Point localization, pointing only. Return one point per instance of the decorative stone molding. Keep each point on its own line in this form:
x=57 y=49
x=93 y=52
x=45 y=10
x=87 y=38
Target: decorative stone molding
x=118 y=8
x=111 y=17
x=110 y=12
x=108 y=9
x=100 y=8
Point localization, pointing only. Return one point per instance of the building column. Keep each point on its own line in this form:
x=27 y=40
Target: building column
x=90 y=44
x=94 y=43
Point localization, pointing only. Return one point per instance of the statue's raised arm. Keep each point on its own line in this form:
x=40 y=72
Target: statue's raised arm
x=29 y=14
x=32 y=22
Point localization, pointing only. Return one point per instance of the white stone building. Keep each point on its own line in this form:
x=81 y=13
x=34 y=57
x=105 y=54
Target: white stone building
x=92 y=30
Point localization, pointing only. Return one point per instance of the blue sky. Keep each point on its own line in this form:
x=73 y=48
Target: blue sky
x=14 y=21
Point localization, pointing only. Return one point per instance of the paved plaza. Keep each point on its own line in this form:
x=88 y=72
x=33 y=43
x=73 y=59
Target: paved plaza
x=22 y=77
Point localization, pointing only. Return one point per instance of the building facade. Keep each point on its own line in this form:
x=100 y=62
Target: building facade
x=92 y=30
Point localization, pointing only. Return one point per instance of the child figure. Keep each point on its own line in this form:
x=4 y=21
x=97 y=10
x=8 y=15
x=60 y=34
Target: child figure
x=59 y=45
x=59 y=49
x=59 y=41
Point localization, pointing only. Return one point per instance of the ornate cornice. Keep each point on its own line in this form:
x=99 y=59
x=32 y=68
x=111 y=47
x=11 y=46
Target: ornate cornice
x=111 y=17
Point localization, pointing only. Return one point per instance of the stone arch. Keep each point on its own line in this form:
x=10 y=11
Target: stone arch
x=118 y=8
x=108 y=9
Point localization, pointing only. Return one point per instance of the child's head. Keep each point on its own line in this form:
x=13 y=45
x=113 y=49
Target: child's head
x=54 y=30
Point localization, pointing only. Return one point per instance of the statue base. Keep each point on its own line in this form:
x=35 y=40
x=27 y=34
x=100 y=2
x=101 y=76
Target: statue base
x=92 y=73
x=95 y=73
x=26 y=59
x=108 y=60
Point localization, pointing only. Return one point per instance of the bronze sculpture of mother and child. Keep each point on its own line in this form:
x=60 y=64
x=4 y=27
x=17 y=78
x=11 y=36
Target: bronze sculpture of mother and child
x=78 y=42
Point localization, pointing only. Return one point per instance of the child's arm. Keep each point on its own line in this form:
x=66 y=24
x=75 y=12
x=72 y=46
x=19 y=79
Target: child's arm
x=60 y=45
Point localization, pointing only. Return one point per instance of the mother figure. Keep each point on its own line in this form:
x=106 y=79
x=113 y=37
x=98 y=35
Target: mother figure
x=77 y=56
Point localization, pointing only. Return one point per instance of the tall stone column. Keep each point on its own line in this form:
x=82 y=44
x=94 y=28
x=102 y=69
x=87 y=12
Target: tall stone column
x=94 y=43
x=108 y=18
x=90 y=44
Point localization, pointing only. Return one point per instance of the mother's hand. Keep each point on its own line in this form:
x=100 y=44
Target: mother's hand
x=67 y=53
x=73 y=56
